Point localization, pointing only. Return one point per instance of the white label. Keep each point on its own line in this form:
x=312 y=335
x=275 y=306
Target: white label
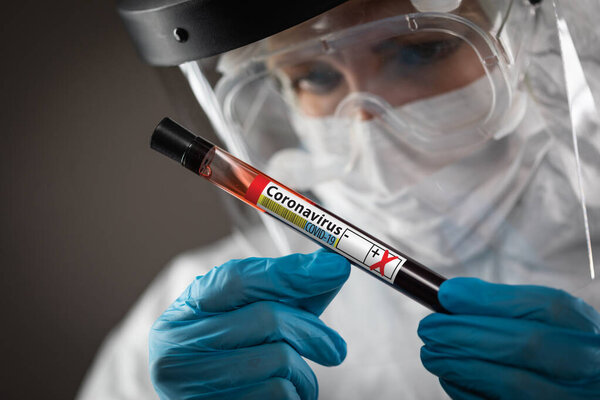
x=329 y=231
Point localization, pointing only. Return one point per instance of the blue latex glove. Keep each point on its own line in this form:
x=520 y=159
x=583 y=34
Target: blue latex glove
x=512 y=342
x=240 y=331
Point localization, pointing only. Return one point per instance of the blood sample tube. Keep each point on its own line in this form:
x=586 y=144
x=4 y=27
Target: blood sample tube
x=322 y=226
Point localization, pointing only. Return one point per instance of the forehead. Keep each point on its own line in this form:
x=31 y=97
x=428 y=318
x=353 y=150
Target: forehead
x=356 y=12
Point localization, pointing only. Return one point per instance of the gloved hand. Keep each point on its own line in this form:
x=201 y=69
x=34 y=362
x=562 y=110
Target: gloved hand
x=512 y=342
x=241 y=330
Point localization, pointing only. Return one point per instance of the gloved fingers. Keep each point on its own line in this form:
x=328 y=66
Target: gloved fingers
x=198 y=372
x=499 y=381
x=458 y=393
x=272 y=389
x=557 y=353
x=255 y=324
x=308 y=281
x=537 y=303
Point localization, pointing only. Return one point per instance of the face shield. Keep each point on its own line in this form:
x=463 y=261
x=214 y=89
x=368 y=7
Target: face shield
x=442 y=127
x=429 y=86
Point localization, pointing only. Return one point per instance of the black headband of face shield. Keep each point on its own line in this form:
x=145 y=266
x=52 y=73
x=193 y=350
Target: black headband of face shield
x=171 y=32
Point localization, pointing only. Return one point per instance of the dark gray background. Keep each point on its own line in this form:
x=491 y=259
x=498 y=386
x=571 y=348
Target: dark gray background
x=89 y=213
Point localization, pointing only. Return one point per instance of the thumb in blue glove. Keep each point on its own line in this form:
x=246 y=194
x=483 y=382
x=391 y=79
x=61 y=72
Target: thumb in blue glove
x=512 y=342
x=240 y=331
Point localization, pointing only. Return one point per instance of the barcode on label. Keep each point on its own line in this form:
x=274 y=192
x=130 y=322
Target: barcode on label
x=282 y=212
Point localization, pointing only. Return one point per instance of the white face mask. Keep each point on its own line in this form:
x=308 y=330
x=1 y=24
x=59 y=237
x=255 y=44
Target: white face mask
x=451 y=215
x=336 y=145
x=443 y=209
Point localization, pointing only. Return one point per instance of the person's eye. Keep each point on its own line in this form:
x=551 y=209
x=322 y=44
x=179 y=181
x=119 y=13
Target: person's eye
x=426 y=53
x=318 y=79
x=417 y=54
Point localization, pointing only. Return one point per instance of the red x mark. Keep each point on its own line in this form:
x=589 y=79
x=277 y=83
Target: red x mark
x=384 y=260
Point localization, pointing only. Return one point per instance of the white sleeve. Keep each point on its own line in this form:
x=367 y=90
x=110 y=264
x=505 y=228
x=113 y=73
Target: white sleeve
x=120 y=370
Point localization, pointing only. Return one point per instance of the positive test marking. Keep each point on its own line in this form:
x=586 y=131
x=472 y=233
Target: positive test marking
x=366 y=252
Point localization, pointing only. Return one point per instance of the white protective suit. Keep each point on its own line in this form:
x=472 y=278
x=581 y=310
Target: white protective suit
x=378 y=323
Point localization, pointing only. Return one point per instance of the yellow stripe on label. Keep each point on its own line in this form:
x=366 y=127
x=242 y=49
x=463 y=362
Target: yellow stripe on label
x=282 y=212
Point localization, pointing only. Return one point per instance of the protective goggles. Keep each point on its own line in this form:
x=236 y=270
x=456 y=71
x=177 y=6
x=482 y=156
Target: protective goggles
x=435 y=81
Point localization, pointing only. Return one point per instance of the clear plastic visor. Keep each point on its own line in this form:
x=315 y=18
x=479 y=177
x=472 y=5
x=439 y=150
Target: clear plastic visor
x=416 y=123
x=433 y=82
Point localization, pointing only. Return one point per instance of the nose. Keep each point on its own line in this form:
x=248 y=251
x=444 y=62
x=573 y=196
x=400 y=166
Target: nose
x=358 y=73
x=364 y=115
x=362 y=106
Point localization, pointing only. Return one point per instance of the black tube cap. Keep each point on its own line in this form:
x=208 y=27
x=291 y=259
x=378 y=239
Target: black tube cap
x=171 y=139
x=179 y=144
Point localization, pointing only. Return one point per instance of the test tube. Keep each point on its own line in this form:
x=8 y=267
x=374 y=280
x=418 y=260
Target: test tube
x=298 y=212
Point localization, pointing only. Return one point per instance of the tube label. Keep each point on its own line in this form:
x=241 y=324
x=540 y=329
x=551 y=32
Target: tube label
x=329 y=231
